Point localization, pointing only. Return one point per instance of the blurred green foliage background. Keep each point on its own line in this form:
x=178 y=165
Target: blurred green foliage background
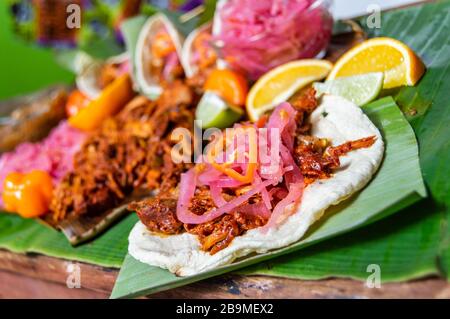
x=24 y=67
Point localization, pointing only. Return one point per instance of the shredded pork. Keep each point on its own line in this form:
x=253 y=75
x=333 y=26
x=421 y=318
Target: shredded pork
x=315 y=158
x=129 y=151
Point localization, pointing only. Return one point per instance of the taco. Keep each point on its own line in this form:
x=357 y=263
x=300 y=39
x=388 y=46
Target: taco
x=223 y=209
x=157 y=56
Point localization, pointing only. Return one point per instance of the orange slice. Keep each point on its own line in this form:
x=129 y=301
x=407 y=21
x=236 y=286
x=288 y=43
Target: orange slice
x=280 y=83
x=400 y=65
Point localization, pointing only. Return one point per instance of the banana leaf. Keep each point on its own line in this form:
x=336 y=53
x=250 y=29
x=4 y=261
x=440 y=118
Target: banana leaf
x=404 y=246
x=393 y=188
x=29 y=236
x=444 y=258
x=425 y=29
x=419 y=243
x=208 y=14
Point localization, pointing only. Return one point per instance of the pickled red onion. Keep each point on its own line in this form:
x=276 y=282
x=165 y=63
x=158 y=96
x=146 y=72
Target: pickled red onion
x=172 y=62
x=283 y=118
x=286 y=182
x=216 y=194
x=258 y=35
x=187 y=191
x=280 y=213
x=258 y=209
x=264 y=193
x=54 y=155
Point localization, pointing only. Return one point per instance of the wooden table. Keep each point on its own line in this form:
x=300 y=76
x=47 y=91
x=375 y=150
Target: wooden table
x=37 y=276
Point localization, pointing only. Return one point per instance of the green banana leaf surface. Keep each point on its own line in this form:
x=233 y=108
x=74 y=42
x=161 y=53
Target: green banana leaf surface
x=29 y=236
x=403 y=246
x=393 y=188
x=24 y=68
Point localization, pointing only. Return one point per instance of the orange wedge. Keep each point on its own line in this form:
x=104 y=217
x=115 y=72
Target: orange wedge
x=280 y=83
x=400 y=65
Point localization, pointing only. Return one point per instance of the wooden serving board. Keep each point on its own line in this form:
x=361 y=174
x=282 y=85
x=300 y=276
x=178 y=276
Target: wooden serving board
x=37 y=276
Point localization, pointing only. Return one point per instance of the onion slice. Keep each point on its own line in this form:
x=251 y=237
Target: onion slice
x=284 y=175
x=216 y=194
x=187 y=190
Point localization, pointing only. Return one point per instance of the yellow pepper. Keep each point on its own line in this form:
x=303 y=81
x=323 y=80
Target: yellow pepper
x=29 y=195
x=112 y=99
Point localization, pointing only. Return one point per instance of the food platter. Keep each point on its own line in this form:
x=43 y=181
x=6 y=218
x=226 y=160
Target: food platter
x=213 y=205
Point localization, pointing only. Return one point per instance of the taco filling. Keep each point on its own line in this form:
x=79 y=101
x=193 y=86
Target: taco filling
x=164 y=63
x=224 y=196
x=130 y=151
x=199 y=55
x=157 y=57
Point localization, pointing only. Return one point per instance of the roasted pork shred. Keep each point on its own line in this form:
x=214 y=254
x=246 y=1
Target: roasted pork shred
x=315 y=157
x=159 y=214
x=218 y=233
x=128 y=152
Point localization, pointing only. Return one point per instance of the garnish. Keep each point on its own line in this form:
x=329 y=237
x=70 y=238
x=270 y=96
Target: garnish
x=236 y=161
x=28 y=194
x=110 y=102
x=281 y=83
x=229 y=85
x=400 y=65
x=213 y=111
x=359 y=89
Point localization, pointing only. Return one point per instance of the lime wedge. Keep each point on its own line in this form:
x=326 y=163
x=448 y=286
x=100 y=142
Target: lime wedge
x=213 y=111
x=360 y=89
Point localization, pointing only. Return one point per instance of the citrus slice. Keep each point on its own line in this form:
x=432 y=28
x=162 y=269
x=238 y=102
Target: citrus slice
x=279 y=84
x=401 y=66
x=213 y=111
x=360 y=89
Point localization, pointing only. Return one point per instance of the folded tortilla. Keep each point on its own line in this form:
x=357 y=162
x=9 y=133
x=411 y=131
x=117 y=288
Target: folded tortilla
x=336 y=119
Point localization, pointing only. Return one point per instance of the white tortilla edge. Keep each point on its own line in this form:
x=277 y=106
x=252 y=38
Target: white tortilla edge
x=335 y=118
x=148 y=85
x=187 y=50
x=89 y=70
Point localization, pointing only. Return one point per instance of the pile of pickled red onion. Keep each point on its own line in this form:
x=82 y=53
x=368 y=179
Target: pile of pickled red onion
x=277 y=179
x=53 y=155
x=258 y=35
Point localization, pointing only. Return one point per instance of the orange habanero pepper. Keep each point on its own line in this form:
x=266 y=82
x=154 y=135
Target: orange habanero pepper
x=29 y=195
x=229 y=85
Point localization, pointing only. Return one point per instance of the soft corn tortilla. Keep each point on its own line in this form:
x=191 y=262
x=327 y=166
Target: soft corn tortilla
x=335 y=118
